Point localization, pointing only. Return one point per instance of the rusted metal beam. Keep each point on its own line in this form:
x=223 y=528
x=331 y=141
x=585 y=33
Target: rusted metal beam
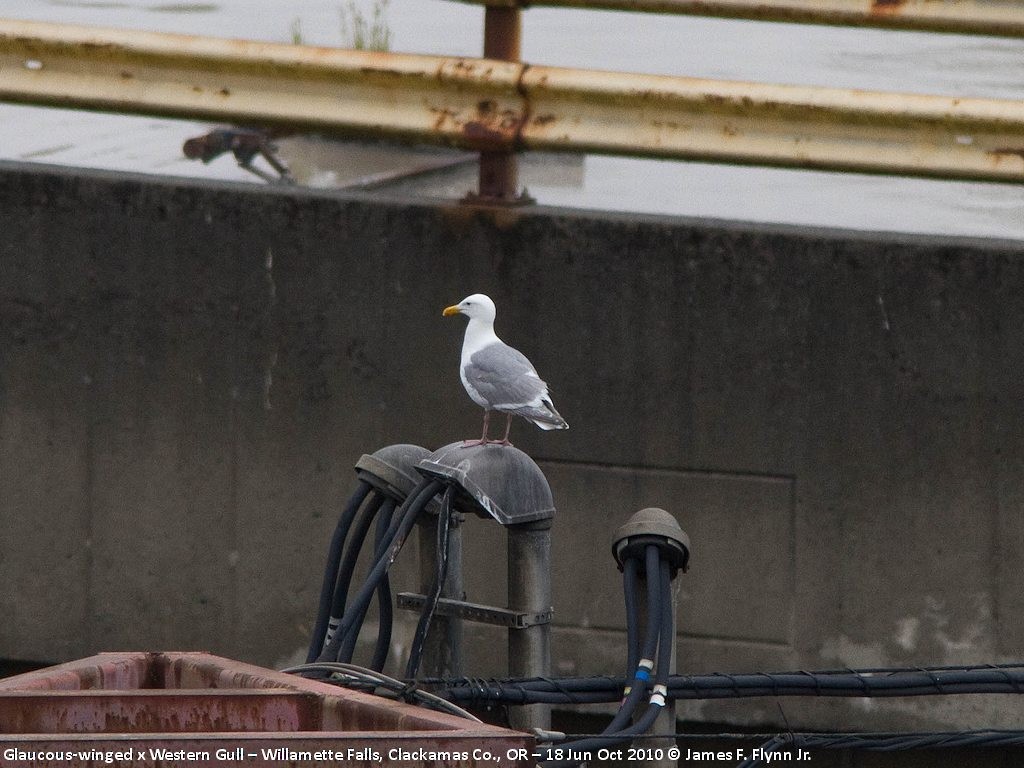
x=1002 y=18
x=468 y=102
x=158 y=711
x=483 y=104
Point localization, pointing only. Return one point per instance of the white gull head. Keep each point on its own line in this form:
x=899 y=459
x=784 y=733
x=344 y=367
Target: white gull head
x=475 y=307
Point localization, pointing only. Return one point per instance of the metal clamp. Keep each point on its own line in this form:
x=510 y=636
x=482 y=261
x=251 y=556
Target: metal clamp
x=481 y=614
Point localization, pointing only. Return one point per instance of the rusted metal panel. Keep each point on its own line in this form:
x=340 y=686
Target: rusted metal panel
x=1002 y=18
x=150 y=709
x=158 y=711
x=495 y=106
x=342 y=709
x=105 y=671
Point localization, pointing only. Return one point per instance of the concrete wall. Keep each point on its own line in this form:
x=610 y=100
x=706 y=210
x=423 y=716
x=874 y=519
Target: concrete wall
x=189 y=371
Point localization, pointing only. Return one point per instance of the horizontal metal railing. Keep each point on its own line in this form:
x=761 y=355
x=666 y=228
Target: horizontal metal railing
x=498 y=107
x=1004 y=18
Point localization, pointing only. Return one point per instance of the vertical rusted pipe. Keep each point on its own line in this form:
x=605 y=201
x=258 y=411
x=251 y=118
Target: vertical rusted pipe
x=502 y=33
x=499 y=171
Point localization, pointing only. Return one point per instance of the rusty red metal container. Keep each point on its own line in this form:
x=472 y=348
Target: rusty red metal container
x=195 y=709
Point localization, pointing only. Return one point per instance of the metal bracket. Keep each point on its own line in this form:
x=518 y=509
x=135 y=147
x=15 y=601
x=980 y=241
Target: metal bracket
x=481 y=614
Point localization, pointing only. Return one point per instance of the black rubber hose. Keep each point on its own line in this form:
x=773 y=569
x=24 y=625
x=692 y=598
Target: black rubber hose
x=385 y=611
x=652 y=560
x=316 y=641
x=348 y=562
x=660 y=575
x=415 y=503
x=396 y=519
x=630 y=590
x=667 y=638
x=348 y=642
x=440 y=574
x=638 y=688
x=880 y=684
x=770 y=746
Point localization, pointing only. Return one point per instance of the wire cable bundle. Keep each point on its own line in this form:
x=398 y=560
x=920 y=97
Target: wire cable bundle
x=339 y=619
x=656 y=644
x=372 y=681
x=874 y=683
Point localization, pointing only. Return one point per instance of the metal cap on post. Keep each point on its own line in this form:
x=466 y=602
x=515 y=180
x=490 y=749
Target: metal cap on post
x=392 y=469
x=496 y=481
x=652 y=526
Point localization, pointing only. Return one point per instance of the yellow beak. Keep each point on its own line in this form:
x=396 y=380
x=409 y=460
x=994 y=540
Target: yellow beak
x=449 y=311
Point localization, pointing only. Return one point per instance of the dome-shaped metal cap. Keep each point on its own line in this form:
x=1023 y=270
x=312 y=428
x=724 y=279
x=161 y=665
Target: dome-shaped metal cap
x=392 y=470
x=652 y=526
x=497 y=481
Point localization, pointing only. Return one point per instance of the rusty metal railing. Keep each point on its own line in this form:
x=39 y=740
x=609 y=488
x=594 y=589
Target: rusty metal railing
x=499 y=106
x=1003 y=18
x=502 y=33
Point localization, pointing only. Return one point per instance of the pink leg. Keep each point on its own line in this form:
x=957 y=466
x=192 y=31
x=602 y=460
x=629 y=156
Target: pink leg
x=483 y=440
x=508 y=427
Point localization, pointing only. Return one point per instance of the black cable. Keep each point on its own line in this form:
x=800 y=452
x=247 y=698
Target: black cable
x=882 y=742
x=658 y=577
x=348 y=642
x=610 y=737
x=1007 y=679
x=774 y=744
x=650 y=646
x=317 y=639
x=891 y=742
x=630 y=588
x=407 y=514
x=372 y=681
x=348 y=563
x=385 y=611
x=440 y=575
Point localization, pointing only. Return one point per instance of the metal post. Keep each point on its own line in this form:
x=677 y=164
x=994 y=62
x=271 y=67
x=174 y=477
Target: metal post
x=529 y=591
x=442 y=650
x=499 y=171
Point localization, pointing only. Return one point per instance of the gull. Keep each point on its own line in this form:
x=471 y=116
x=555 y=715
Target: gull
x=498 y=377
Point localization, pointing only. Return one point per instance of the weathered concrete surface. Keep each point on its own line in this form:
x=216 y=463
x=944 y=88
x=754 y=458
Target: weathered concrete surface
x=188 y=373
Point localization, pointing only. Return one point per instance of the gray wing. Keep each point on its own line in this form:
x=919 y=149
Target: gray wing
x=503 y=376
